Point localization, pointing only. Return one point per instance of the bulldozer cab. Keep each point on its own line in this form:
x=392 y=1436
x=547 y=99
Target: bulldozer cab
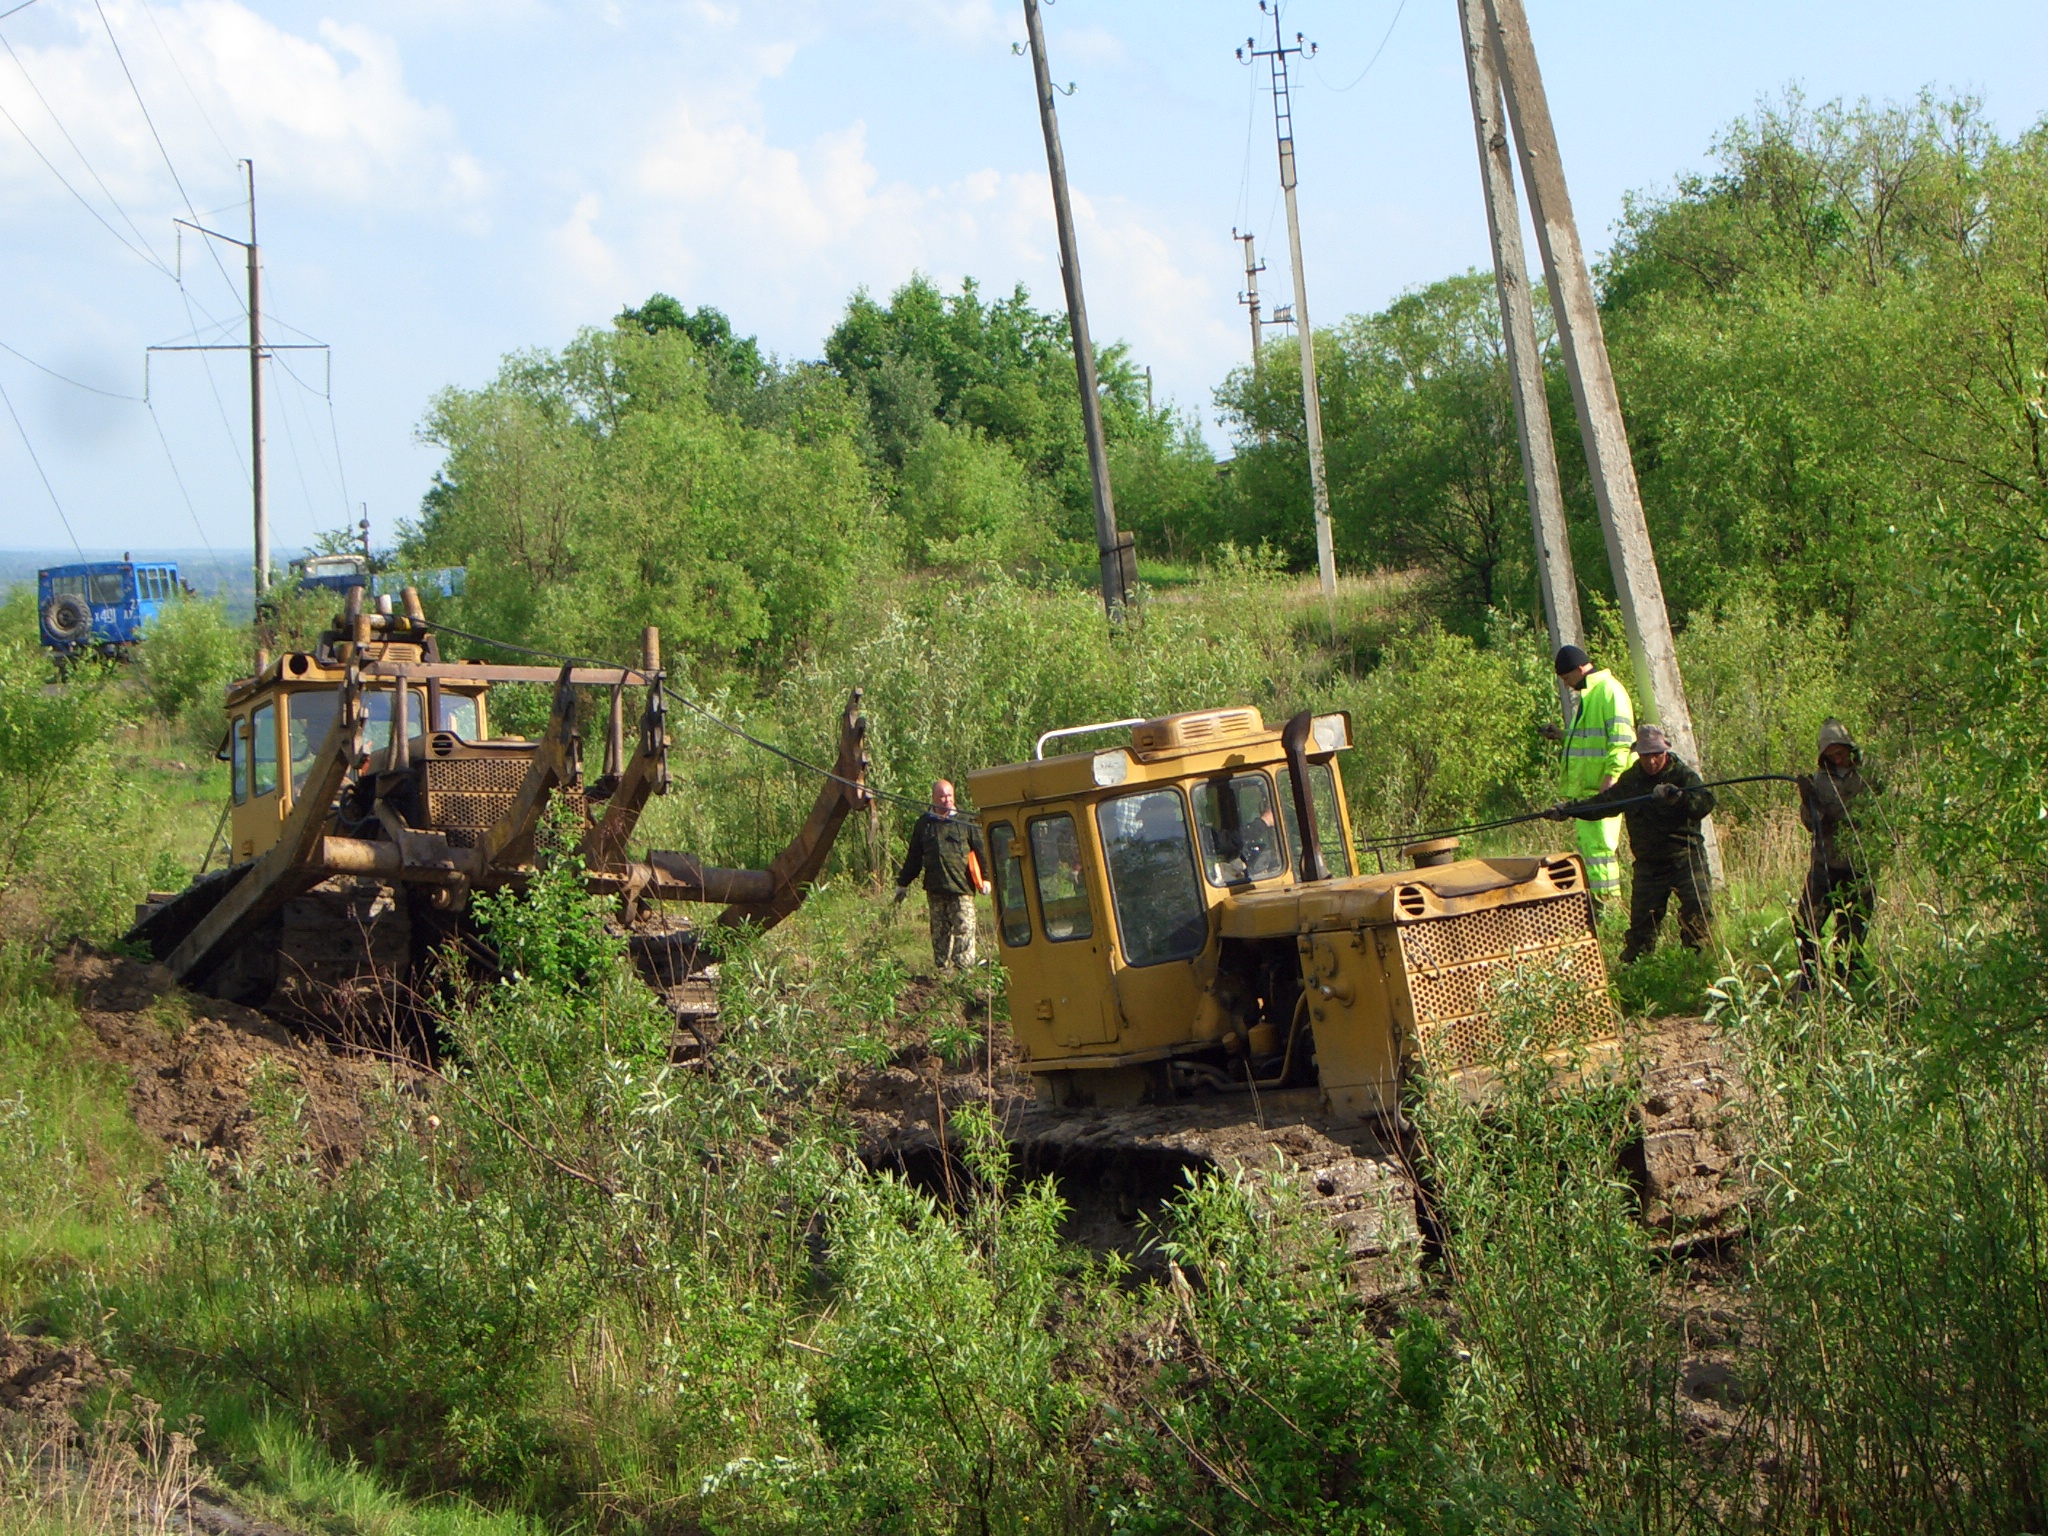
x=1180 y=912
x=278 y=720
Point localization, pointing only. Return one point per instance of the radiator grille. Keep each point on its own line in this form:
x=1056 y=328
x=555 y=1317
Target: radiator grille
x=1453 y=965
x=468 y=794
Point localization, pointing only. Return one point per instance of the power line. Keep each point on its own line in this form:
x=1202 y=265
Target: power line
x=1340 y=89
x=98 y=180
x=83 y=201
x=31 y=447
x=66 y=378
x=176 y=180
x=172 y=54
x=199 y=528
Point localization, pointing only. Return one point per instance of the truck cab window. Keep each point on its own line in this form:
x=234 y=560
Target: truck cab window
x=1062 y=884
x=238 y=756
x=108 y=589
x=1013 y=912
x=1159 y=908
x=1239 y=832
x=263 y=749
x=1330 y=836
x=311 y=716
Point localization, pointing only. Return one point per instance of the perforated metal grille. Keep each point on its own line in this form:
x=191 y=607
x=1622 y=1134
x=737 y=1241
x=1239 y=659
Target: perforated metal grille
x=1455 y=966
x=468 y=794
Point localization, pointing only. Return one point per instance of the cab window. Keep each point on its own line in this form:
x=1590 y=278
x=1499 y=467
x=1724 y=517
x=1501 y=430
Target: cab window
x=1013 y=913
x=1239 y=833
x=263 y=749
x=311 y=717
x=1330 y=838
x=108 y=589
x=458 y=714
x=377 y=713
x=1062 y=887
x=238 y=756
x=1159 y=908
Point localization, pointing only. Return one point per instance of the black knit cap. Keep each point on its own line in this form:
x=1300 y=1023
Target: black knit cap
x=1570 y=658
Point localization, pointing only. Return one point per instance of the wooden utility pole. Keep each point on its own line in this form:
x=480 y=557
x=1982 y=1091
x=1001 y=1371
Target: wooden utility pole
x=1518 y=331
x=1660 y=690
x=1311 y=397
x=1118 y=561
x=1250 y=295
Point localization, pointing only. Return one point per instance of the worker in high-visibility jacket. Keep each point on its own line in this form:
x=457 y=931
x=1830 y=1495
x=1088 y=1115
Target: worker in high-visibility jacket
x=1599 y=745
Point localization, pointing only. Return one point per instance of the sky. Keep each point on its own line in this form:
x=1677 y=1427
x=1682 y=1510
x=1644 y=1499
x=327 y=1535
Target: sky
x=442 y=182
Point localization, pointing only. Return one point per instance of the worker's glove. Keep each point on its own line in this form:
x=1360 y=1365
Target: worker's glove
x=1550 y=731
x=1558 y=812
x=1804 y=782
x=1667 y=794
x=901 y=892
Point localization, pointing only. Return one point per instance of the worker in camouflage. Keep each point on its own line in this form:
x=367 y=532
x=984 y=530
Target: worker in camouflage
x=1597 y=751
x=1838 y=875
x=947 y=849
x=1664 y=802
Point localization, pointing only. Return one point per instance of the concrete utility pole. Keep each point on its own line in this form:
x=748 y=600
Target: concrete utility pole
x=1572 y=303
x=257 y=350
x=259 y=490
x=1311 y=400
x=1518 y=330
x=1119 y=560
x=1250 y=295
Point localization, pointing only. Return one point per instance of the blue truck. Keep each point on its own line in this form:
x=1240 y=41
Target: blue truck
x=102 y=607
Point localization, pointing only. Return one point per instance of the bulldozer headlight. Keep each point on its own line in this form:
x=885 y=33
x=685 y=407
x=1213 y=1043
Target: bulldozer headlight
x=1112 y=766
x=1331 y=733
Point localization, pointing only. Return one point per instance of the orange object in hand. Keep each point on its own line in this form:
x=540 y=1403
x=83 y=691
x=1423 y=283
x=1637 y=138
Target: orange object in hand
x=974 y=874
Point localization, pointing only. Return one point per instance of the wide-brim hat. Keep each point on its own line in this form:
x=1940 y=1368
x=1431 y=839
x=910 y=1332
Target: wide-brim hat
x=1650 y=741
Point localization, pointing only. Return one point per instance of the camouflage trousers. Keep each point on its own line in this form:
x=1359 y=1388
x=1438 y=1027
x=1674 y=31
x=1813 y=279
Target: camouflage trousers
x=952 y=929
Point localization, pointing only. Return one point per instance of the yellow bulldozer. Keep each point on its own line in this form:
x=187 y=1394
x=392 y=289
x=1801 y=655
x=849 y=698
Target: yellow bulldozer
x=1200 y=975
x=370 y=797
x=1180 y=916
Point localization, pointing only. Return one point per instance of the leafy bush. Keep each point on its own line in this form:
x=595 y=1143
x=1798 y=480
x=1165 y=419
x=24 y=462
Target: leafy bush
x=190 y=655
x=1447 y=732
x=1573 y=1378
x=1275 y=1403
x=966 y=501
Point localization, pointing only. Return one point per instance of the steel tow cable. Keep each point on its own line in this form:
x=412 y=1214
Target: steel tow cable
x=1405 y=838
x=690 y=704
x=1393 y=841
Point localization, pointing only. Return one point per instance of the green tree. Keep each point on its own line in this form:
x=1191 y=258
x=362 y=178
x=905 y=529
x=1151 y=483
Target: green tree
x=1006 y=371
x=1420 y=441
x=598 y=489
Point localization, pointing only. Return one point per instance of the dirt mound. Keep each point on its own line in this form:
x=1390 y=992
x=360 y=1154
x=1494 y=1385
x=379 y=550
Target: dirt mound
x=1690 y=1173
x=42 y=1379
x=207 y=1073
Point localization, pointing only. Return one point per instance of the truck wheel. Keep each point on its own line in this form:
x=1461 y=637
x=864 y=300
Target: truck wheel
x=68 y=618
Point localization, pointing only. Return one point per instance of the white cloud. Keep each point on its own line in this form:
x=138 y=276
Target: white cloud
x=716 y=211
x=329 y=115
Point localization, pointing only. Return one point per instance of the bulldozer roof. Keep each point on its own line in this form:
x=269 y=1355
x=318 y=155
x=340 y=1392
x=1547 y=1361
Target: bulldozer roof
x=1168 y=749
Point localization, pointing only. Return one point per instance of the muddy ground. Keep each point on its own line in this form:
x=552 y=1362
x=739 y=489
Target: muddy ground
x=205 y=1071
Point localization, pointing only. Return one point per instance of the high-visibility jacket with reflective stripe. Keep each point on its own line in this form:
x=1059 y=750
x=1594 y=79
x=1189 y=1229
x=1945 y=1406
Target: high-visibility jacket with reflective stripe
x=1601 y=741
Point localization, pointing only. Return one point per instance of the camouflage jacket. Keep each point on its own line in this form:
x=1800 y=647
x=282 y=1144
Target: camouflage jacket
x=938 y=850
x=1830 y=803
